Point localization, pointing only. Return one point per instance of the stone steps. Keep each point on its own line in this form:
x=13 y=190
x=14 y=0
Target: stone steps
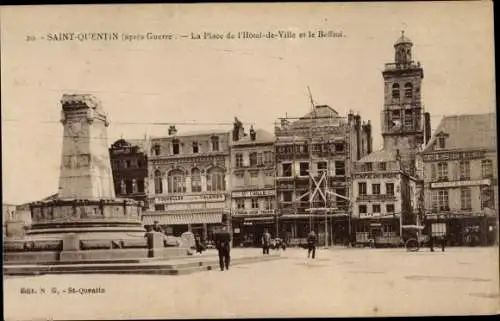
x=173 y=267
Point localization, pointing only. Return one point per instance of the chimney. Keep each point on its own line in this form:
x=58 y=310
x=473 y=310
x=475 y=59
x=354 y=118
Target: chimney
x=368 y=127
x=427 y=127
x=350 y=117
x=252 y=134
x=172 y=131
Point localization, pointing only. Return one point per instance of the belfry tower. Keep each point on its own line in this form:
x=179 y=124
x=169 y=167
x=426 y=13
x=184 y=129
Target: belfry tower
x=402 y=117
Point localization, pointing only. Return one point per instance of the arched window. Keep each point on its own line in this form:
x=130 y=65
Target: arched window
x=395 y=91
x=158 y=182
x=216 y=180
x=195 y=180
x=408 y=90
x=156 y=150
x=176 y=181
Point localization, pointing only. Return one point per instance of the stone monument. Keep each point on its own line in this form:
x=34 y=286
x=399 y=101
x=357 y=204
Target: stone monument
x=85 y=221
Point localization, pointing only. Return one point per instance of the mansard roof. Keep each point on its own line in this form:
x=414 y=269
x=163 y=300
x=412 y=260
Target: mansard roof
x=261 y=137
x=476 y=131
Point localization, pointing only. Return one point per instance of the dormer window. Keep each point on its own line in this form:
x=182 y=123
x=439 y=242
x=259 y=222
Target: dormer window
x=215 y=143
x=195 y=147
x=175 y=146
x=156 y=150
x=441 y=142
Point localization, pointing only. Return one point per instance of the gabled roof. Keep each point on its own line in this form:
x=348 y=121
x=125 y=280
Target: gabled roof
x=261 y=137
x=51 y=197
x=379 y=156
x=477 y=131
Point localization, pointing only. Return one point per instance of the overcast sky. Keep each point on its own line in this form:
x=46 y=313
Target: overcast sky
x=211 y=81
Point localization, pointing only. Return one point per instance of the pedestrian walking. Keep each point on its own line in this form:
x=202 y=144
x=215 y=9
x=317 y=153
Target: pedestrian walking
x=199 y=244
x=443 y=242
x=223 y=246
x=311 y=244
x=431 y=243
x=266 y=242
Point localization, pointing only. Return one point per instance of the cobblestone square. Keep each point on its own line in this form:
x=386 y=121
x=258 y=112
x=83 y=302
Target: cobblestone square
x=340 y=282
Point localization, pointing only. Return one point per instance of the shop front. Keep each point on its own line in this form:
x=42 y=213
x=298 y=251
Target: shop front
x=465 y=229
x=384 y=229
x=201 y=223
x=248 y=231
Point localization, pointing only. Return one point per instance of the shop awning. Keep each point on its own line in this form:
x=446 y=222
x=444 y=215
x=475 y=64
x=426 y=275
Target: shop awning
x=182 y=219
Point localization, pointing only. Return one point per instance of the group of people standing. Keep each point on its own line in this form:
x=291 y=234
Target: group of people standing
x=311 y=243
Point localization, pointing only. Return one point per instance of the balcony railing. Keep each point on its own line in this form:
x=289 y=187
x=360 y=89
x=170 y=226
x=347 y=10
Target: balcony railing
x=378 y=197
x=397 y=66
x=303 y=207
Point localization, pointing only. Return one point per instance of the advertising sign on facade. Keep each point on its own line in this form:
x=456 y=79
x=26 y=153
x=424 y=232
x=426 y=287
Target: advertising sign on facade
x=460 y=183
x=190 y=198
x=258 y=193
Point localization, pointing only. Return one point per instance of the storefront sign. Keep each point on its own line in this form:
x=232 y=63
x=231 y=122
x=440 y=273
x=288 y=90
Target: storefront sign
x=375 y=175
x=366 y=215
x=190 y=198
x=460 y=183
x=257 y=193
x=253 y=212
x=447 y=156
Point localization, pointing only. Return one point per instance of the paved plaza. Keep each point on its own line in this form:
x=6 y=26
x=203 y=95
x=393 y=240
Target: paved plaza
x=340 y=282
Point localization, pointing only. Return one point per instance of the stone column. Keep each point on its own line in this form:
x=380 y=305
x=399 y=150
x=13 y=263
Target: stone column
x=188 y=184
x=164 y=182
x=204 y=183
x=228 y=182
x=150 y=190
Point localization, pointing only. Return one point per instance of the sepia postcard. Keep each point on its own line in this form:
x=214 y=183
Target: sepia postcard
x=172 y=161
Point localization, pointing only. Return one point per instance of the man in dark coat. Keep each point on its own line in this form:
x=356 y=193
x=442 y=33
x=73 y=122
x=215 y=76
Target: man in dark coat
x=266 y=242
x=223 y=246
x=311 y=244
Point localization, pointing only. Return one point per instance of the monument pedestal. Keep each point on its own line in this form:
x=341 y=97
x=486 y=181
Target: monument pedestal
x=86 y=222
x=14 y=229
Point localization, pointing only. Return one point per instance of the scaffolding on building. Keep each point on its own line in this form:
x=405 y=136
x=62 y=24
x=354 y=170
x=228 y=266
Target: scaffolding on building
x=313 y=137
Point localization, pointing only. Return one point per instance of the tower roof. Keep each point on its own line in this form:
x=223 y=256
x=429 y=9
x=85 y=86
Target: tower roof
x=403 y=39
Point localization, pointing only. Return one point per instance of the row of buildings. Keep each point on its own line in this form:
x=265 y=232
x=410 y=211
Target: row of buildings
x=319 y=172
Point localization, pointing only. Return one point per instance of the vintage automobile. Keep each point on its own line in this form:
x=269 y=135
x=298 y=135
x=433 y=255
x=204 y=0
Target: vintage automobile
x=413 y=237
